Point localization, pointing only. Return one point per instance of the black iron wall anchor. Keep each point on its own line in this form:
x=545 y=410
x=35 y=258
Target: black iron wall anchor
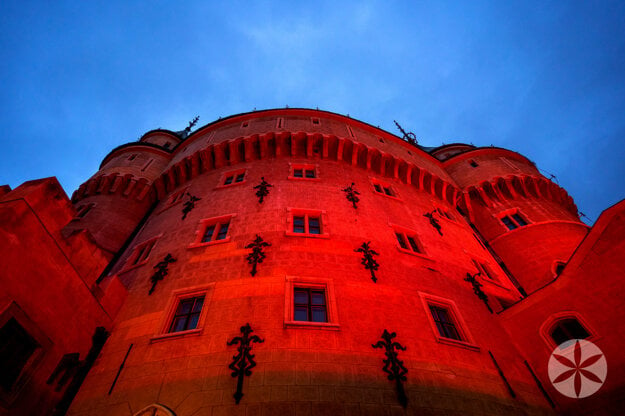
x=263 y=189
x=433 y=221
x=189 y=205
x=243 y=362
x=257 y=255
x=477 y=289
x=367 y=259
x=393 y=366
x=161 y=271
x=351 y=195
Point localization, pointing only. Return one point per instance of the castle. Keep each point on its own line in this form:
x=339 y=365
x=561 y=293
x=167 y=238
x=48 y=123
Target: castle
x=297 y=261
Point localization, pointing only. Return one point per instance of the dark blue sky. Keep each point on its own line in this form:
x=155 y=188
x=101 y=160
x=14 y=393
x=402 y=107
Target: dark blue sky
x=546 y=79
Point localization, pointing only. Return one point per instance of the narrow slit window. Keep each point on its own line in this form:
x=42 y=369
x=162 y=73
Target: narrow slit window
x=508 y=223
x=519 y=220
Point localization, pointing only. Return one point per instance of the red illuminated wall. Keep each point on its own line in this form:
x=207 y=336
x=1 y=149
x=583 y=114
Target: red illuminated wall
x=330 y=368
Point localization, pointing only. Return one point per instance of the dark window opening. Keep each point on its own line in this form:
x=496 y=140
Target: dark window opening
x=228 y=180
x=568 y=329
x=315 y=121
x=208 y=234
x=132 y=157
x=444 y=323
x=187 y=314
x=223 y=231
x=519 y=220
x=378 y=188
x=401 y=241
x=167 y=145
x=413 y=244
x=314 y=225
x=508 y=223
x=309 y=305
x=310 y=173
x=298 y=173
x=298 y=225
x=473 y=163
x=388 y=191
x=240 y=177
x=16 y=348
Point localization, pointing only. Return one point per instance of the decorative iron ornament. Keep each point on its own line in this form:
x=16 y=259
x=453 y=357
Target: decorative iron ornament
x=263 y=189
x=161 y=271
x=393 y=366
x=433 y=221
x=257 y=255
x=367 y=259
x=477 y=289
x=191 y=124
x=409 y=137
x=189 y=205
x=243 y=362
x=351 y=195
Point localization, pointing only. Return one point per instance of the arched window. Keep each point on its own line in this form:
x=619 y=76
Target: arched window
x=567 y=329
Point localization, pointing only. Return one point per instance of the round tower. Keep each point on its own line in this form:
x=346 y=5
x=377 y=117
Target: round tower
x=113 y=202
x=530 y=222
x=322 y=246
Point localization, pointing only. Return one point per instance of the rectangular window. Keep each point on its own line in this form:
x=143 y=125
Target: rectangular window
x=473 y=163
x=16 y=348
x=223 y=231
x=383 y=188
x=306 y=224
x=513 y=221
x=232 y=178
x=140 y=254
x=208 y=234
x=309 y=305
x=444 y=324
x=407 y=240
x=212 y=231
x=302 y=171
x=187 y=314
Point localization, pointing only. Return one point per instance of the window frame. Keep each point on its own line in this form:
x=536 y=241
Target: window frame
x=467 y=340
x=384 y=186
x=307 y=213
x=169 y=312
x=304 y=167
x=407 y=232
x=207 y=222
x=13 y=311
x=175 y=198
x=509 y=214
x=313 y=283
x=232 y=173
x=547 y=327
x=138 y=256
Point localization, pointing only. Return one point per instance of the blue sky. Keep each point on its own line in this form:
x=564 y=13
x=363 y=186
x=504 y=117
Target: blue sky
x=546 y=79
